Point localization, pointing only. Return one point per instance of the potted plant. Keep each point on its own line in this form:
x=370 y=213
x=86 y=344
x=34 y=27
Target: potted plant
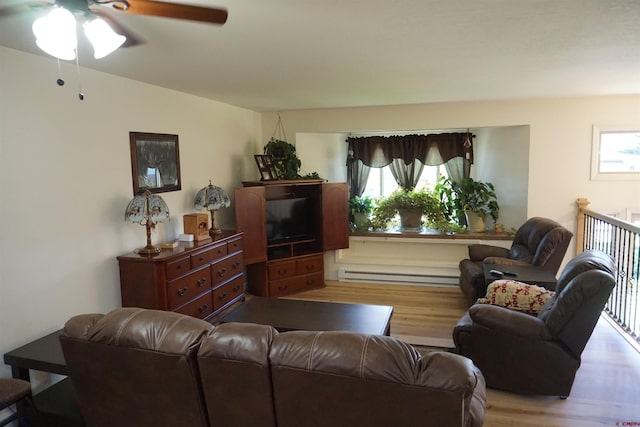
x=361 y=208
x=286 y=161
x=411 y=206
x=468 y=201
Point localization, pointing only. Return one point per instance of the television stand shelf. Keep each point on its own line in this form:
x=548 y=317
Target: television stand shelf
x=288 y=225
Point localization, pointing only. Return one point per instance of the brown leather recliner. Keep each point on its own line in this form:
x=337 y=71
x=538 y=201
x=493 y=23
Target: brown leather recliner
x=539 y=355
x=539 y=241
x=136 y=367
x=343 y=379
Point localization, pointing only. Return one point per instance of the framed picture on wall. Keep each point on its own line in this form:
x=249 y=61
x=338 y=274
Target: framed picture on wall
x=266 y=167
x=155 y=162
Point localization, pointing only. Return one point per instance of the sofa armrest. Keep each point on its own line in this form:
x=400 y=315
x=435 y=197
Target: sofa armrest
x=509 y=321
x=478 y=251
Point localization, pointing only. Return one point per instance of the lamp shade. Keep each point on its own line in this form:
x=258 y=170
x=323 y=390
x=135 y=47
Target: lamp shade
x=103 y=39
x=212 y=198
x=147 y=209
x=56 y=33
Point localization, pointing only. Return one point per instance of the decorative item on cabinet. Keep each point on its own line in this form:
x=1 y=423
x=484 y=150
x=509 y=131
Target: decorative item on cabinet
x=147 y=209
x=200 y=279
x=212 y=198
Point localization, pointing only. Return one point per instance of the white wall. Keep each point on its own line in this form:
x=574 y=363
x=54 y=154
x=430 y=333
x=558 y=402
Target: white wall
x=559 y=141
x=65 y=170
x=501 y=157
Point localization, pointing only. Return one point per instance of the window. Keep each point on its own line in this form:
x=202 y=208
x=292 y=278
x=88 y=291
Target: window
x=381 y=182
x=615 y=154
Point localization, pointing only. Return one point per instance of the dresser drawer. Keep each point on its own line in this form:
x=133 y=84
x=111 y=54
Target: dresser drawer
x=210 y=255
x=228 y=292
x=181 y=290
x=228 y=267
x=178 y=268
x=200 y=307
x=295 y=284
x=282 y=269
x=308 y=265
x=234 y=245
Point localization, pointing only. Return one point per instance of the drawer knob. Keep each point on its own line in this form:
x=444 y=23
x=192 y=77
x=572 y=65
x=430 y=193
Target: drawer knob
x=235 y=265
x=283 y=287
x=202 y=282
x=204 y=308
x=223 y=297
x=311 y=282
x=235 y=288
x=222 y=272
x=282 y=272
x=182 y=292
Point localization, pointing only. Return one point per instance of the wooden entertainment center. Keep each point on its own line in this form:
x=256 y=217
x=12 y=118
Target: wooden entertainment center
x=288 y=225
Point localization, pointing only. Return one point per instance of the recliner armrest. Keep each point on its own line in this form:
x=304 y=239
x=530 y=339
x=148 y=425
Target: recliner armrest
x=478 y=251
x=509 y=321
x=503 y=261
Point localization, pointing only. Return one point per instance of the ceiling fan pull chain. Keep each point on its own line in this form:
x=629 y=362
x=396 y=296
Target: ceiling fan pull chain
x=80 y=94
x=59 y=81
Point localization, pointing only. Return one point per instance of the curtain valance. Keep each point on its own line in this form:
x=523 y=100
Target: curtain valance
x=431 y=149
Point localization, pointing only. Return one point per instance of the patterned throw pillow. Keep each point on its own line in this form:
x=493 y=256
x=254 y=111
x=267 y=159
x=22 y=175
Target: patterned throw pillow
x=517 y=295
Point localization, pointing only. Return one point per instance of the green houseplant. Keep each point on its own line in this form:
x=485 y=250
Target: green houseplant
x=468 y=201
x=285 y=160
x=412 y=206
x=361 y=208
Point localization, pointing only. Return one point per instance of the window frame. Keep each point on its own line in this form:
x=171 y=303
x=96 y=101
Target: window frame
x=596 y=175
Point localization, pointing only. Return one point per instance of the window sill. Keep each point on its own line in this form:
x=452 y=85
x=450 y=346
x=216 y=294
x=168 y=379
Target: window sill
x=432 y=234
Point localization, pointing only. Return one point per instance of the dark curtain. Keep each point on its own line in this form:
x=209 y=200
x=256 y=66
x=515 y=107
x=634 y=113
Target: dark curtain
x=406 y=175
x=357 y=176
x=431 y=149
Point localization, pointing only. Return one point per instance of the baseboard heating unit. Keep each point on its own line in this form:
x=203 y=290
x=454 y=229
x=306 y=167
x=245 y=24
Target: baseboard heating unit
x=415 y=278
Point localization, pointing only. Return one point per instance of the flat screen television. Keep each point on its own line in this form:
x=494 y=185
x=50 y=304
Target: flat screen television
x=289 y=219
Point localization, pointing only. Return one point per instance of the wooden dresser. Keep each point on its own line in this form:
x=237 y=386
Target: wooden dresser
x=196 y=278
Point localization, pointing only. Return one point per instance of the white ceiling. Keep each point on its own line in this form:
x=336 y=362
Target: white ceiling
x=299 y=54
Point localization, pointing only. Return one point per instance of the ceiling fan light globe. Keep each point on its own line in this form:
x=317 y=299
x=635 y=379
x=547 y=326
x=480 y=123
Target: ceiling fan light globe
x=103 y=39
x=56 y=33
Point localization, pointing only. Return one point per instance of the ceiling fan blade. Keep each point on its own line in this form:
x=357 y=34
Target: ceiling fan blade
x=132 y=39
x=176 y=11
x=21 y=8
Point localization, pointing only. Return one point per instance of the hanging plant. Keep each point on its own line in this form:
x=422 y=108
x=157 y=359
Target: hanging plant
x=285 y=158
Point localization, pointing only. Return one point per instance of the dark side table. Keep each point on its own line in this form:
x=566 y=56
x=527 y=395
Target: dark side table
x=57 y=404
x=523 y=273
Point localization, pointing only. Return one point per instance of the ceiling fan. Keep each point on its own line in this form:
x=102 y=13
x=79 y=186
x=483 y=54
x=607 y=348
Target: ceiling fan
x=89 y=10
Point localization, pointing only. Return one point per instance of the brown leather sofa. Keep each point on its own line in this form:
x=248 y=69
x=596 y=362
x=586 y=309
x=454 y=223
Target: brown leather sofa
x=523 y=353
x=141 y=367
x=541 y=242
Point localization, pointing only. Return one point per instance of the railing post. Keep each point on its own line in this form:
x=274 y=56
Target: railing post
x=582 y=205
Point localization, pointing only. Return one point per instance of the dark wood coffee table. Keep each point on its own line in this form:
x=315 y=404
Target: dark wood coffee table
x=293 y=315
x=523 y=273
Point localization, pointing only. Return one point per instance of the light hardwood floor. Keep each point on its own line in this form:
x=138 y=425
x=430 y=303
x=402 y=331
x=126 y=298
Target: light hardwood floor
x=606 y=391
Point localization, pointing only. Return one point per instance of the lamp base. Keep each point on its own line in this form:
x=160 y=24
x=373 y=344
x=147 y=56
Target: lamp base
x=213 y=231
x=149 y=250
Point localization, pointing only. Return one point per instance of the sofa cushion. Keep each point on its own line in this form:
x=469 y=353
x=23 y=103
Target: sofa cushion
x=517 y=295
